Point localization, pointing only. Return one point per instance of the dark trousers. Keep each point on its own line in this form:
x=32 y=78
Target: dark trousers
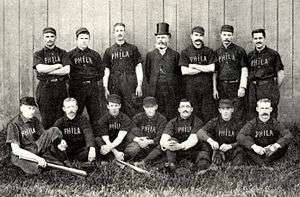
x=80 y=154
x=263 y=89
x=50 y=97
x=109 y=156
x=125 y=85
x=263 y=160
x=91 y=96
x=202 y=100
x=230 y=91
x=134 y=152
x=167 y=99
x=43 y=149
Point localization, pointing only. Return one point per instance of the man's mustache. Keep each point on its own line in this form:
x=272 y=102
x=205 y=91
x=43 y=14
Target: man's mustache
x=259 y=43
x=265 y=114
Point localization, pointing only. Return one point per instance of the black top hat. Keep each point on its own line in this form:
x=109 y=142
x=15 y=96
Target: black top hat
x=162 y=29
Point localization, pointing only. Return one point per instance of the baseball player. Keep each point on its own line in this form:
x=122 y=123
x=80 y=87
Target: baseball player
x=29 y=140
x=146 y=132
x=112 y=129
x=265 y=74
x=230 y=78
x=123 y=72
x=197 y=65
x=77 y=132
x=179 y=139
x=86 y=77
x=163 y=73
x=221 y=132
x=52 y=65
x=264 y=138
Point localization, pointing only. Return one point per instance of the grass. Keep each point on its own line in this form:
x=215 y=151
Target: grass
x=110 y=180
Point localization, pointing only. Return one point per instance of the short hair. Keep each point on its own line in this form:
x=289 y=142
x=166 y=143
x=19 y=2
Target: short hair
x=69 y=99
x=185 y=100
x=264 y=100
x=119 y=24
x=255 y=31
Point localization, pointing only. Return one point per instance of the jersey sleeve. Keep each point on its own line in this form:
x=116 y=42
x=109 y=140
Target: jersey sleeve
x=37 y=59
x=38 y=126
x=65 y=58
x=244 y=58
x=88 y=132
x=160 y=128
x=184 y=59
x=244 y=137
x=197 y=124
x=169 y=129
x=285 y=136
x=137 y=56
x=135 y=130
x=148 y=67
x=107 y=59
x=101 y=127
x=212 y=57
x=277 y=62
x=99 y=64
x=12 y=135
x=126 y=123
x=206 y=131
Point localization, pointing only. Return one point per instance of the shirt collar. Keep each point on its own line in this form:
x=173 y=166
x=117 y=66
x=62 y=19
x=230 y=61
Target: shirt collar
x=263 y=50
x=86 y=49
x=25 y=120
x=118 y=45
x=48 y=49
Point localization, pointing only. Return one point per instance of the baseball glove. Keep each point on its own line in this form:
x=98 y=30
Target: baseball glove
x=218 y=157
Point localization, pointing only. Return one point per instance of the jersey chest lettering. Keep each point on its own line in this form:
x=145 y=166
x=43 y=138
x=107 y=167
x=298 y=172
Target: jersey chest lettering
x=28 y=131
x=198 y=58
x=72 y=131
x=184 y=129
x=119 y=55
x=52 y=59
x=260 y=62
x=226 y=132
x=83 y=60
x=114 y=125
x=226 y=56
x=264 y=133
x=148 y=128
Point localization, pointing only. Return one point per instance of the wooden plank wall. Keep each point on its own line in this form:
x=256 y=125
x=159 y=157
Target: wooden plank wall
x=21 y=23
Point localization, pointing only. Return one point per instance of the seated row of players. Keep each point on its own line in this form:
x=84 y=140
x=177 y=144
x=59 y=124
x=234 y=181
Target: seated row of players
x=146 y=137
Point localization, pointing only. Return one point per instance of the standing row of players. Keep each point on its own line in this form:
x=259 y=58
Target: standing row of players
x=147 y=137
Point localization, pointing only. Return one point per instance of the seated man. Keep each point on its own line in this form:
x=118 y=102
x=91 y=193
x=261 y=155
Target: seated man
x=31 y=145
x=179 y=138
x=265 y=139
x=112 y=129
x=77 y=132
x=147 y=130
x=221 y=132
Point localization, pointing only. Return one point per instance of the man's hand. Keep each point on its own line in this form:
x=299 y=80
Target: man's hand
x=241 y=92
x=62 y=146
x=272 y=148
x=92 y=154
x=106 y=92
x=42 y=162
x=174 y=145
x=258 y=149
x=214 y=145
x=225 y=147
x=105 y=149
x=119 y=155
x=139 y=91
x=218 y=157
x=215 y=94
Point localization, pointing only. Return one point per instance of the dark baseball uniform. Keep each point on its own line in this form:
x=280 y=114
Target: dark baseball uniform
x=30 y=135
x=51 y=90
x=144 y=126
x=86 y=72
x=121 y=61
x=165 y=80
x=110 y=125
x=199 y=87
x=231 y=60
x=264 y=134
x=224 y=132
x=78 y=135
x=263 y=68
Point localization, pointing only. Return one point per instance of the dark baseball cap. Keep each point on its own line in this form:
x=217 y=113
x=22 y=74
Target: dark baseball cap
x=28 y=100
x=82 y=30
x=227 y=28
x=225 y=103
x=149 y=101
x=198 y=29
x=49 y=30
x=114 y=98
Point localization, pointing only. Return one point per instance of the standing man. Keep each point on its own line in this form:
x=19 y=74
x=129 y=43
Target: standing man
x=86 y=77
x=123 y=71
x=163 y=73
x=112 y=129
x=198 y=64
x=53 y=66
x=265 y=74
x=77 y=132
x=230 y=79
x=264 y=138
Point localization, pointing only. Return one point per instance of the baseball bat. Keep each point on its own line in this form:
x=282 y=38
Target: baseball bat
x=135 y=168
x=64 y=168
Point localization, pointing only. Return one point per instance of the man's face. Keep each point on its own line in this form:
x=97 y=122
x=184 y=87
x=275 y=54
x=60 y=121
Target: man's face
x=49 y=39
x=113 y=108
x=226 y=37
x=162 y=41
x=185 y=109
x=226 y=113
x=150 y=111
x=27 y=111
x=197 y=39
x=119 y=33
x=258 y=40
x=70 y=108
x=264 y=110
x=83 y=41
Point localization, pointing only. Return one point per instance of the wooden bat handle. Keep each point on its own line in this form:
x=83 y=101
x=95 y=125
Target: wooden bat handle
x=72 y=170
